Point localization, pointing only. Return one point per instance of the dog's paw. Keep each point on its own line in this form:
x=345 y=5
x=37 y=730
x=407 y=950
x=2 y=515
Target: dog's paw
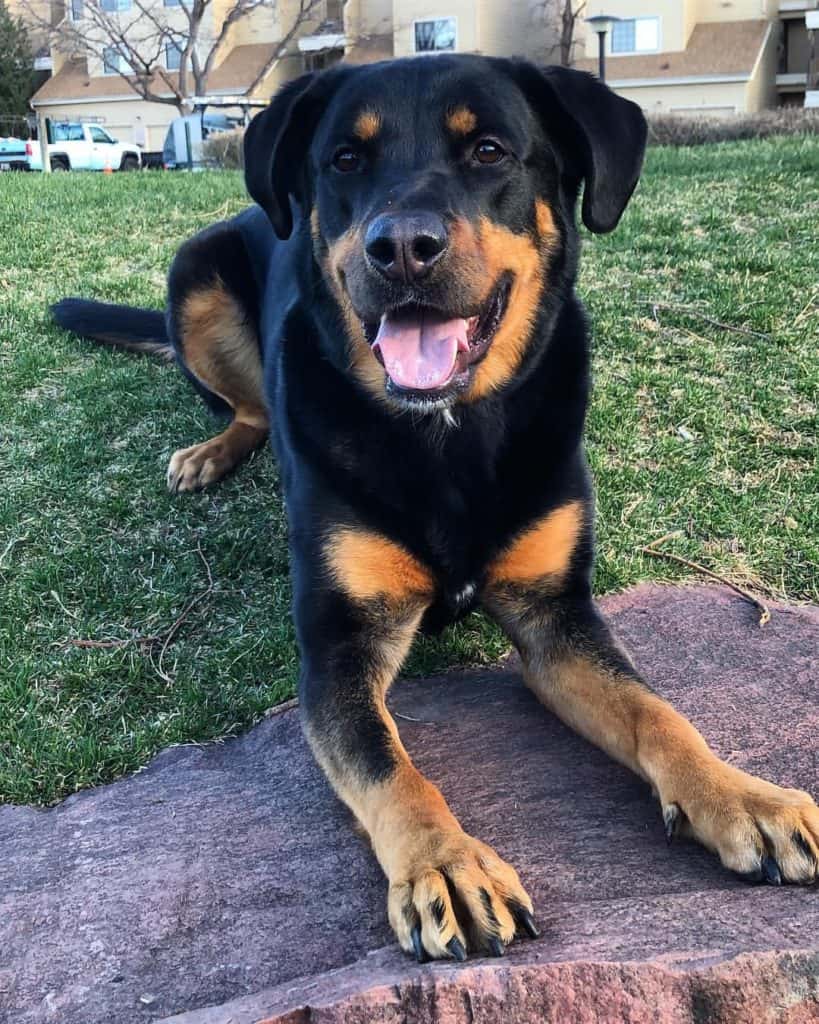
x=191 y=469
x=457 y=896
x=761 y=831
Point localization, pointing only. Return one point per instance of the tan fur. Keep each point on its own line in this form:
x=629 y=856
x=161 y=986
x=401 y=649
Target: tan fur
x=363 y=364
x=366 y=566
x=543 y=550
x=503 y=250
x=728 y=810
x=191 y=469
x=219 y=347
x=545 y=222
x=461 y=121
x=367 y=125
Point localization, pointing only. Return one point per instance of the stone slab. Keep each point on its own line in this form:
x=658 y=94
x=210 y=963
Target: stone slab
x=223 y=885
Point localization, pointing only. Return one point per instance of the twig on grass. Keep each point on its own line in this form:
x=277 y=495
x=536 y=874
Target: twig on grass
x=185 y=613
x=106 y=644
x=163 y=638
x=693 y=311
x=651 y=549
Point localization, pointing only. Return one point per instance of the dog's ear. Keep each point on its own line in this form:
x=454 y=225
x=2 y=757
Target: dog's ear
x=277 y=142
x=600 y=137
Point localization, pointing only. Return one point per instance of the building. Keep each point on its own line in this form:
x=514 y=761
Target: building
x=706 y=57
x=90 y=88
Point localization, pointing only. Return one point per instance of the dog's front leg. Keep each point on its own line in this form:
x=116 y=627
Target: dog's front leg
x=573 y=664
x=356 y=614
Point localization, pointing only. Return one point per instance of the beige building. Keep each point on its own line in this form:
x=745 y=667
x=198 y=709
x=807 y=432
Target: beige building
x=90 y=89
x=705 y=57
x=690 y=56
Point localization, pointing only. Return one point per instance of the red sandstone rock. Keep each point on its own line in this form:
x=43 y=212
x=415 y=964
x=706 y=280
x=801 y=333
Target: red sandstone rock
x=225 y=881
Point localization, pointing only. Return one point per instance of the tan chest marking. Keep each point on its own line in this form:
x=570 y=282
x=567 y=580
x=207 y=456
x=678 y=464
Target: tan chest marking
x=366 y=566
x=542 y=551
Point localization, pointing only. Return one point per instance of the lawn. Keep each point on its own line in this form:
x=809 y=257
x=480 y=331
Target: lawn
x=702 y=430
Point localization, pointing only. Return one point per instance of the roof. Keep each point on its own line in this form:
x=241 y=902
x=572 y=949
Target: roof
x=234 y=75
x=715 y=48
x=72 y=82
x=241 y=66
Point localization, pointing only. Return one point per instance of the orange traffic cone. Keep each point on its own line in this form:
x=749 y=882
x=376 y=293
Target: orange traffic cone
x=107 y=169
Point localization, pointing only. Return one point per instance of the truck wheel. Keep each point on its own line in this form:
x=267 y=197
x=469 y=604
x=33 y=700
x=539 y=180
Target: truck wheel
x=59 y=163
x=129 y=163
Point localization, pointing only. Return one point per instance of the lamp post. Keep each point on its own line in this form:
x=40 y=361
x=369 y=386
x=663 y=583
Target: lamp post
x=601 y=24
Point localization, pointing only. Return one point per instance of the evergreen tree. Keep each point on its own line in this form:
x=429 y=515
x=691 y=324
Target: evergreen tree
x=16 y=65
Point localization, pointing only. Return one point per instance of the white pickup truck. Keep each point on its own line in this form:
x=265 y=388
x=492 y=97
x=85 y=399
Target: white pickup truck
x=73 y=147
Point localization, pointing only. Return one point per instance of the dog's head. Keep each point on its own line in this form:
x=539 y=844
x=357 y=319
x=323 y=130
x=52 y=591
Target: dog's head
x=440 y=195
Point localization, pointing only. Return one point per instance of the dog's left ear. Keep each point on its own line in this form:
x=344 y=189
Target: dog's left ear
x=276 y=146
x=600 y=136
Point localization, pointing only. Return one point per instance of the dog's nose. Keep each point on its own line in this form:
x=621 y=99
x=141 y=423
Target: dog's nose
x=405 y=246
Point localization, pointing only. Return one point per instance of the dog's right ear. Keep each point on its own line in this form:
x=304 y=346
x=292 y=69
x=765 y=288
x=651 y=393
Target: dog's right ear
x=276 y=144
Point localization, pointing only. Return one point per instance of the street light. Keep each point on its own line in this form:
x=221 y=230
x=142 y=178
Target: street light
x=601 y=24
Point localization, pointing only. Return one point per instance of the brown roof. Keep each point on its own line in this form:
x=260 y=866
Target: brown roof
x=72 y=82
x=236 y=72
x=240 y=67
x=715 y=48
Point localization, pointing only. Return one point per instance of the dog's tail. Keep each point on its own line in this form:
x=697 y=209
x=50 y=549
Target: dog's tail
x=137 y=330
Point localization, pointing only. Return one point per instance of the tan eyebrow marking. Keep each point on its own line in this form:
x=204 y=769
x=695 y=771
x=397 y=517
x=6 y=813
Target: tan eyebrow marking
x=461 y=121
x=367 y=125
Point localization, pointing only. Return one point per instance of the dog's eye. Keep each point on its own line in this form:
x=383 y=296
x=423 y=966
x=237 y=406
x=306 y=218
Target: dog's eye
x=488 y=151
x=346 y=160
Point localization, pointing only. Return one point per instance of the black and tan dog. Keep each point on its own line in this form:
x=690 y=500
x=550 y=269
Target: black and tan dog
x=398 y=314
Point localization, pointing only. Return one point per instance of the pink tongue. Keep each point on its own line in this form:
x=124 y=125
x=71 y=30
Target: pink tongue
x=419 y=351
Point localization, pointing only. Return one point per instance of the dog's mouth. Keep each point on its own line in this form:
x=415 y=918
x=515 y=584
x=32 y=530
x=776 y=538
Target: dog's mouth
x=428 y=355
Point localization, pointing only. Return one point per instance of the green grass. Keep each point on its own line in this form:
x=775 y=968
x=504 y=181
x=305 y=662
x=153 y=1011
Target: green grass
x=693 y=428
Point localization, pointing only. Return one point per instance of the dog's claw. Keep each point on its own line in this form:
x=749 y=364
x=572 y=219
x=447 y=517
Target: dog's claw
x=770 y=869
x=752 y=877
x=496 y=947
x=418 y=946
x=456 y=948
x=671 y=820
x=525 y=920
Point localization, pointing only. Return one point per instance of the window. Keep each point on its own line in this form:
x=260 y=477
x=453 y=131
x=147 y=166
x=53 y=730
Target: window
x=173 y=56
x=172 y=3
x=115 y=5
x=66 y=133
x=76 y=10
x=99 y=135
x=320 y=59
x=112 y=62
x=636 y=35
x=439 y=34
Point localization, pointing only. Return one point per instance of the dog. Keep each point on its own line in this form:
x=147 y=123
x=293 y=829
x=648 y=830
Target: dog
x=397 y=313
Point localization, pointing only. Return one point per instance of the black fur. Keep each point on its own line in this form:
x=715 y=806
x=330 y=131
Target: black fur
x=139 y=330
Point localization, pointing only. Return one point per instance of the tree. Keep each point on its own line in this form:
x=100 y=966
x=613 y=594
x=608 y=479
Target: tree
x=135 y=38
x=16 y=65
x=561 y=19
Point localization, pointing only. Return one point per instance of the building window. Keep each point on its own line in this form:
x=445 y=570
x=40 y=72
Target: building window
x=636 y=35
x=115 y=5
x=320 y=59
x=172 y=3
x=435 y=36
x=173 y=56
x=113 y=63
x=76 y=10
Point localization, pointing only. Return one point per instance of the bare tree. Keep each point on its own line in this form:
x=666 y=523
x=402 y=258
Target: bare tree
x=561 y=20
x=134 y=41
